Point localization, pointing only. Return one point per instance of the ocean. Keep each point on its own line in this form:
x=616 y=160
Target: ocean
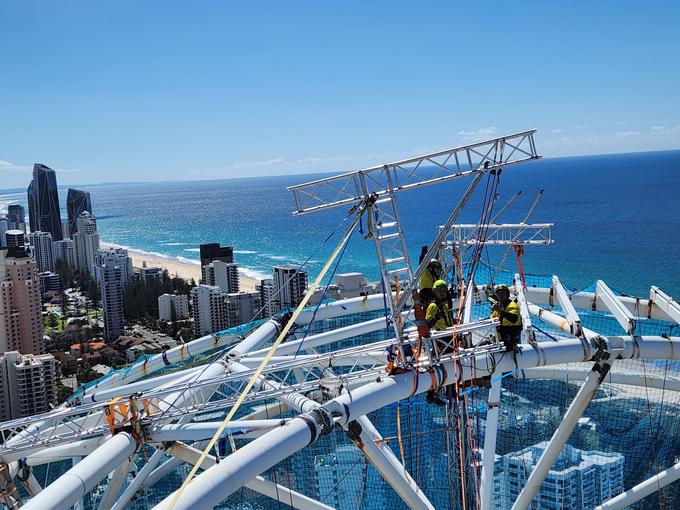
x=617 y=218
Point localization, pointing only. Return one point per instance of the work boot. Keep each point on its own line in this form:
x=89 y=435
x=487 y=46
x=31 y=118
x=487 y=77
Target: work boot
x=432 y=397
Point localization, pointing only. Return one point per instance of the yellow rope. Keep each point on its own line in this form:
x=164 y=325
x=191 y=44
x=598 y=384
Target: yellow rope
x=264 y=362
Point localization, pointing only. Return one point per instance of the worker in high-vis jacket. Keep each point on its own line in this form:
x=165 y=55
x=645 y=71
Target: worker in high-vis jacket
x=432 y=273
x=437 y=315
x=507 y=310
x=438 y=318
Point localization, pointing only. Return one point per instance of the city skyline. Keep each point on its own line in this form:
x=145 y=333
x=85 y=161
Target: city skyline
x=230 y=90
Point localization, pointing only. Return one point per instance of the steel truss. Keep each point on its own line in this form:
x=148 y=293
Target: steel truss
x=62 y=435
x=516 y=234
x=377 y=188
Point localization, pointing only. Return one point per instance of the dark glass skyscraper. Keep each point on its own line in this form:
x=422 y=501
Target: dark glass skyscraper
x=213 y=251
x=77 y=202
x=15 y=215
x=43 y=202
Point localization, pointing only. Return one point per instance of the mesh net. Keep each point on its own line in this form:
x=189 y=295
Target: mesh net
x=628 y=433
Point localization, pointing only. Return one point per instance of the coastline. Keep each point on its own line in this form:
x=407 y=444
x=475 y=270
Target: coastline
x=185 y=270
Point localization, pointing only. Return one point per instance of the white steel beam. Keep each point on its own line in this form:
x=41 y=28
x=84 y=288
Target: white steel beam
x=665 y=303
x=258 y=484
x=561 y=435
x=615 y=307
x=73 y=485
x=489 y=455
x=643 y=489
x=205 y=430
x=469 y=302
x=593 y=301
x=161 y=471
x=529 y=335
x=314 y=341
x=557 y=320
x=371 y=444
x=137 y=482
x=115 y=483
x=571 y=374
x=558 y=291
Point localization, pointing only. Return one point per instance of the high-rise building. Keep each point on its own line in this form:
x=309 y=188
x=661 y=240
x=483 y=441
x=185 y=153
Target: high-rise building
x=15 y=239
x=77 y=202
x=208 y=309
x=222 y=274
x=169 y=302
x=268 y=298
x=242 y=307
x=20 y=303
x=290 y=283
x=16 y=217
x=87 y=242
x=65 y=250
x=583 y=478
x=49 y=281
x=4 y=227
x=43 y=202
x=41 y=249
x=150 y=273
x=109 y=276
x=120 y=257
x=213 y=251
x=28 y=384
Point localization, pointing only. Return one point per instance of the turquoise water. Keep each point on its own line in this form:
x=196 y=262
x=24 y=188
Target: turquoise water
x=617 y=218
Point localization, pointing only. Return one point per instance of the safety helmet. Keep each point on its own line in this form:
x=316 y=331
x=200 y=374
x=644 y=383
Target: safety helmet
x=439 y=284
x=502 y=287
x=434 y=262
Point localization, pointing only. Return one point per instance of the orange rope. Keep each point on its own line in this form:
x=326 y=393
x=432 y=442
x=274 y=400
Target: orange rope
x=519 y=251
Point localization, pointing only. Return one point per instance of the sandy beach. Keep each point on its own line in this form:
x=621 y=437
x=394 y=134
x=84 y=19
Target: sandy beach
x=184 y=270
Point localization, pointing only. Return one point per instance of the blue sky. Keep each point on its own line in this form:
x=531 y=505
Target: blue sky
x=128 y=91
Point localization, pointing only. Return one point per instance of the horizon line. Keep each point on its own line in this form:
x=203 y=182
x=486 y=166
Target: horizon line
x=331 y=172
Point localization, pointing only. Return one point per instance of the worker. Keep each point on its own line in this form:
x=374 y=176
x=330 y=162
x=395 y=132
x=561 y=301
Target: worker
x=507 y=310
x=432 y=273
x=437 y=313
x=438 y=318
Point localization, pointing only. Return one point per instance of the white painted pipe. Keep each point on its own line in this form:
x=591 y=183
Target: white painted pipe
x=205 y=430
x=643 y=489
x=73 y=485
x=137 y=482
x=572 y=374
x=557 y=320
x=212 y=486
x=258 y=484
x=115 y=483
x=343 y=307
x=346 y=360
x=264 y=333
x=41 y=455
x=147 y=384
x=160 y=472
x=584 y=301
x=489 y=455
x=314 y=341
